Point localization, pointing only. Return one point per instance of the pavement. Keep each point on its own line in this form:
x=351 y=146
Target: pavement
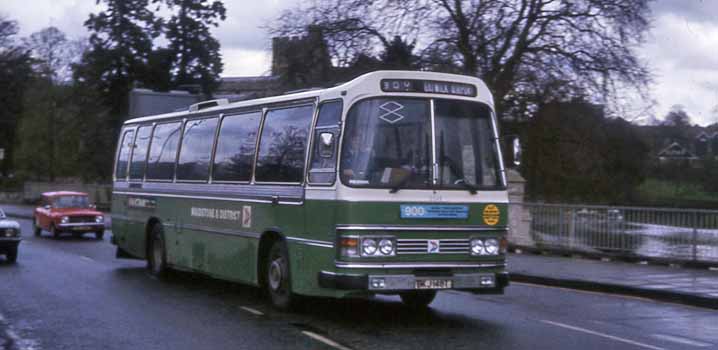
x=691 y=286
x=696 y=287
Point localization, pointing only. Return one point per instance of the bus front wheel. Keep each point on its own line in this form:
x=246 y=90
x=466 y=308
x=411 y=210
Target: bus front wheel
x=157 y=257
x=278 y=278
x=418 y=299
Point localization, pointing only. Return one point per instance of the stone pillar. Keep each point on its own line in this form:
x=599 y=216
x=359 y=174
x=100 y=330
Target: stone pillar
x=519 y=215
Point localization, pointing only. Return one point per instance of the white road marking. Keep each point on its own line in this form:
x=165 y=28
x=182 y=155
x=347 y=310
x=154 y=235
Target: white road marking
x=252 y=311
x=325 y=340
x=604 y=335
x=681 y=340
x=86 y=258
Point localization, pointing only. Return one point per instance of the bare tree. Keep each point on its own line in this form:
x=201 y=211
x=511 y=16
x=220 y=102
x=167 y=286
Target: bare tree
x=54 y=53
x=526 y=50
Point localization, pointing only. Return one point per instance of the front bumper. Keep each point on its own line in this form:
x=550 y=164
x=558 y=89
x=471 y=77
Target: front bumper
x=81 y=227
x=9 y=242
x=480 y=282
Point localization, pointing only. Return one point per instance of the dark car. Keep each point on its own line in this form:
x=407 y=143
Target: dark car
x=10 y=237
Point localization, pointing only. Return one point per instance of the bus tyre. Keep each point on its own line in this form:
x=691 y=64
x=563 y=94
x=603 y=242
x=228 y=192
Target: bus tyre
x=157 y=257
x=99 y=235
x=278 y=278
x=54 y=232
x=11 y=255
x=418 y=300
x=36 y=227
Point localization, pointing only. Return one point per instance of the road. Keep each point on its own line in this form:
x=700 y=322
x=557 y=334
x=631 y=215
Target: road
x=73 y=294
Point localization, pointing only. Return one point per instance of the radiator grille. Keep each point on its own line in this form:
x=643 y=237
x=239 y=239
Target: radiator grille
x=81 y=219
x=421 y=246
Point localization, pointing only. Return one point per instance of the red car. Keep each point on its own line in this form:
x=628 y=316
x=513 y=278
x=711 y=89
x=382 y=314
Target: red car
x=68 y=212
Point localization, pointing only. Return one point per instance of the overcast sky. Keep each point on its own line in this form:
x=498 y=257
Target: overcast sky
x=682 y=47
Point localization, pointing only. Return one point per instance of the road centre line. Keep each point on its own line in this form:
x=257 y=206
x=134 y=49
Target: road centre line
x=325 y=340
x=681 y=340
x=604 y=335
x=251 y=311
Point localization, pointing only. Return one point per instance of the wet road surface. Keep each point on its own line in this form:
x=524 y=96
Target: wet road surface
x=73 y=294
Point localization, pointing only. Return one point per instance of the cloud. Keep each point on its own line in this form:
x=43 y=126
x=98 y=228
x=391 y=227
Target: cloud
x=691 y=10
x=243 y=62
x=681 y=50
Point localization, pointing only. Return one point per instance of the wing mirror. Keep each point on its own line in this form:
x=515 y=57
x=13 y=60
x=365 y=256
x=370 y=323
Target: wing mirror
x=516 y=151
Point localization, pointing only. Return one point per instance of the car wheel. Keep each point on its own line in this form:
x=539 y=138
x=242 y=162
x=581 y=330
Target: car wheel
x=419 y=299
x=54 y=232
x=157 y=257
x=11 y=255
x=278 y=277
x=99 y=235
x=36 y=227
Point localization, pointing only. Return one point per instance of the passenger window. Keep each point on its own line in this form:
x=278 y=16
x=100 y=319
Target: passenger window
x=139 y=153
x=235 y=147
x=163 y=151
x=196 y=150
x=124 y=155
x=326 y=138
x=283 y=144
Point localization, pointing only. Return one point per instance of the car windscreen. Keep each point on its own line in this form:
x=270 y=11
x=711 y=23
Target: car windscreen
x=71 y=202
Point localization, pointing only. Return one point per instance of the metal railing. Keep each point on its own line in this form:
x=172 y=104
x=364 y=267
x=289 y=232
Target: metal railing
x=672 y=234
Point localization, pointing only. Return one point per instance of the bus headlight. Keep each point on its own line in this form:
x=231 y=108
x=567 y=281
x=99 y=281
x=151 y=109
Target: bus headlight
x=477 y=247
x=368 y=246
x=64 y=220
x=491 y=246
x=99 y=219
x=485 y=246
x=386 y=247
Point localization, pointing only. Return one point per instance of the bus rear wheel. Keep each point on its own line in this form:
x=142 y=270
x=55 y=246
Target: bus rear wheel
x=157 y=255
x=418 y=299
x=278 y=277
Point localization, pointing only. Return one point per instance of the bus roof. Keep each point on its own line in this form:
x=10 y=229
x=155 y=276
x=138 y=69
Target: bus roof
x=483 y=93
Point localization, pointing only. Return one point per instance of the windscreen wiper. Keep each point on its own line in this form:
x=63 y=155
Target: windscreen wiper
x=472 y=189
x=402 y=183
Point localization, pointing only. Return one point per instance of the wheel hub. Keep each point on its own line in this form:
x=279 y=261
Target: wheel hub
x=275 y=274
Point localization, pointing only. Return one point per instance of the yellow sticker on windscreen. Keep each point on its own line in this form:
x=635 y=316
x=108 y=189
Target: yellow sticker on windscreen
x=491 y=214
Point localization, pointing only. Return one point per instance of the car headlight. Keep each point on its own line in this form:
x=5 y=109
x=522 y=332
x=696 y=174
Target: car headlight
x=386 y=246
x=64 y=220
x=491 y=246
x=10 y=232
x=477 y=247
x=99 y=219
x=368 y=246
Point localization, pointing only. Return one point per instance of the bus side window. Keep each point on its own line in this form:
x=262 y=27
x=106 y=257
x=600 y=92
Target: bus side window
x=196 y=150
x=325 y=142
x=283 y=144
x=124 y=155
x=163 y=151
x=236 y=147
x=138 y=158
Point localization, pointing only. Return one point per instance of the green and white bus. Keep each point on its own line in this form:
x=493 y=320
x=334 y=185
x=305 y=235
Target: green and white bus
x=392 y=183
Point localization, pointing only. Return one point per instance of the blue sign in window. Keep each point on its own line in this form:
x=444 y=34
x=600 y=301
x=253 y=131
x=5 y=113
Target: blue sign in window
x=421 y=211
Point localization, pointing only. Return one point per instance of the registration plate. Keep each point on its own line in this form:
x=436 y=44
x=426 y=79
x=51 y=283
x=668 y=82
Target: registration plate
x=82 y=228
x=433 y=283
